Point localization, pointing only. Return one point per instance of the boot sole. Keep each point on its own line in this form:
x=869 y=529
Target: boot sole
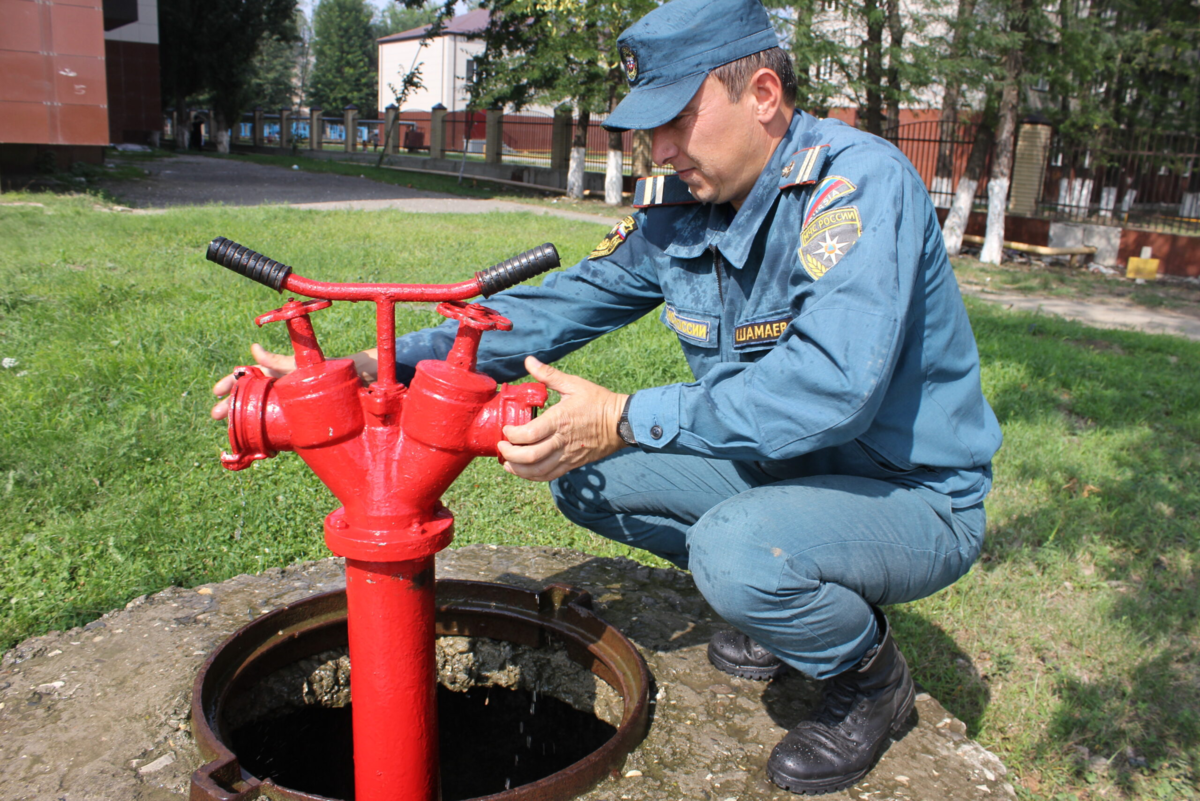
x=801 y=787
x=745 y=671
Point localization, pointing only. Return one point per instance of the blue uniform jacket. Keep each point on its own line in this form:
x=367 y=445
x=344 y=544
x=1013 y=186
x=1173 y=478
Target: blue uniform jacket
x=822 y=322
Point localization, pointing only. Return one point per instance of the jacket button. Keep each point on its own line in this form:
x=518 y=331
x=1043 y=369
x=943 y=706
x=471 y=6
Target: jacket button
x=656 y=432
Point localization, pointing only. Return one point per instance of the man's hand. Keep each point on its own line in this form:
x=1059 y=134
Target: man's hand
x=277 y=365
x=579 y=429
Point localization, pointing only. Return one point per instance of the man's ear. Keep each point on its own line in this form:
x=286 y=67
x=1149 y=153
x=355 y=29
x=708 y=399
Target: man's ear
x=767 y=92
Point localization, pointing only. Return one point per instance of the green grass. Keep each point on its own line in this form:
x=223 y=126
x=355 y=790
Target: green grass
x=1069 y=648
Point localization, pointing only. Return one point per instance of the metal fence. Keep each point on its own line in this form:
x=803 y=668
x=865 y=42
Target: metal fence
x=925 y=142
x=1142 y=179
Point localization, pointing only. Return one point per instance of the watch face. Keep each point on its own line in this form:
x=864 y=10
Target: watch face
x=625 y=431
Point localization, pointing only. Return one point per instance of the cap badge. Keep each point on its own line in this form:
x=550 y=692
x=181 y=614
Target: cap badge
x=630 y=61
x=788 y=169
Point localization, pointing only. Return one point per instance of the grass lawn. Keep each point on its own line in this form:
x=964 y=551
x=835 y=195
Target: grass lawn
x=1070 y=649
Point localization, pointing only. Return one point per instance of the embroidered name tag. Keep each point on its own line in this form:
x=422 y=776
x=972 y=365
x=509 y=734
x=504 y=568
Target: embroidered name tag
x=825 y=240
x=614 y=238
x=688 y=327
x=759 y=333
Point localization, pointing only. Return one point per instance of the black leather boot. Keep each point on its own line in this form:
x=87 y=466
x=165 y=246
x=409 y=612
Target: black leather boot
x=861 y=709
x=738 y=655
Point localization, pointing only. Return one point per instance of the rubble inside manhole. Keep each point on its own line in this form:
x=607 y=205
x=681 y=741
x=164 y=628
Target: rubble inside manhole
x=508 y=715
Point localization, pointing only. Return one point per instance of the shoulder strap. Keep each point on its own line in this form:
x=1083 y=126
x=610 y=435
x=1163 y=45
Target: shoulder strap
x=803 y=167
x=661 y=190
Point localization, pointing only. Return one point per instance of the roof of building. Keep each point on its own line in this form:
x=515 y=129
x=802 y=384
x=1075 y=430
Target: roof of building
x=473 y=22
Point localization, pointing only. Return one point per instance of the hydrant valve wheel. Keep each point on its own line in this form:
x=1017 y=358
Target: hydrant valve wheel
x=291 y=310
x=474 y=316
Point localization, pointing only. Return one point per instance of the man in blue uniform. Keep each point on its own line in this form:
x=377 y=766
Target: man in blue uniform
x=833 y=452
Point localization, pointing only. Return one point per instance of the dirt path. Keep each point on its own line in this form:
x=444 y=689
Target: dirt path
x=1110 y=312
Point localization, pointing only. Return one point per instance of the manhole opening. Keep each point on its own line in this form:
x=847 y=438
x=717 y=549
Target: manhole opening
x=491 y=739
x=508 y=715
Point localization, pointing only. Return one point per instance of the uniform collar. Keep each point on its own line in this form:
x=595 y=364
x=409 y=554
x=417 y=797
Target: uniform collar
x=735 y=239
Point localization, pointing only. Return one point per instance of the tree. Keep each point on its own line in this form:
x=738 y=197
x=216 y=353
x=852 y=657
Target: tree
x=397 y=18
x=343 y=57
x=859 y=51
x=1002 y=153
x=209 y=47
x=278 y=65
x=553 y=51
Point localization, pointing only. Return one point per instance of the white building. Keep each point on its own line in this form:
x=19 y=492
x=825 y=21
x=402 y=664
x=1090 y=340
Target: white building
x=446 y=64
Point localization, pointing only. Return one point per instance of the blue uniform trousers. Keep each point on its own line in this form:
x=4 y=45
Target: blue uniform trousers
x=795 y=563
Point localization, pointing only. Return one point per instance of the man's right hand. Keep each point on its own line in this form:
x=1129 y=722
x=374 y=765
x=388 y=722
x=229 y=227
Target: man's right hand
x=277 y=365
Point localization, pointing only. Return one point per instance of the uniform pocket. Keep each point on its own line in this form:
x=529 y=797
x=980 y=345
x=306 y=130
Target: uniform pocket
x=692 y=327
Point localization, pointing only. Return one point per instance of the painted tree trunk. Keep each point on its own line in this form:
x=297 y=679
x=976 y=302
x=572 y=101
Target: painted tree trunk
x=1002 y=161
x=964 y=196
x=614 y=172
x=220 y=132
x=575 y=169
x=943 y=177
x=642 y=156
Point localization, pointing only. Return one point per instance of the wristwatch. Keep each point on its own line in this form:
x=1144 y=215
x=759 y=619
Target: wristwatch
x=624 y=428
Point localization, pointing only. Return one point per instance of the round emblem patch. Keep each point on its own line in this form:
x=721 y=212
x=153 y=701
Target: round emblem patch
x=630 y=61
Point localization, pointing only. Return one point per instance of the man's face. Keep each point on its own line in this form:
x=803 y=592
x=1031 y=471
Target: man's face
x=714 y=145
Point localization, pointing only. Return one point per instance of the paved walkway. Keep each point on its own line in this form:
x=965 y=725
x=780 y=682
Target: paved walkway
x=198 y=180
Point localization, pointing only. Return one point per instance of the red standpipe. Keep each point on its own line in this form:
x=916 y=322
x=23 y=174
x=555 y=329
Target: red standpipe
x=387 y=452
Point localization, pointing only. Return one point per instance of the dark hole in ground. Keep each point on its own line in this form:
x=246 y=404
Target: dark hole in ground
x=491 y=739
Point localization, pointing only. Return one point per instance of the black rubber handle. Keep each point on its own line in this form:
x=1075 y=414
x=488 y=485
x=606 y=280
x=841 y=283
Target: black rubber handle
x=244 y=261
x=519 y=268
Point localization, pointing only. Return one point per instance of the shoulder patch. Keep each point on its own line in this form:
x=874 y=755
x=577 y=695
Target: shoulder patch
x=825 y=240
x=803 y=166
x=661 y=190
x=614 y=238
x=824 y=193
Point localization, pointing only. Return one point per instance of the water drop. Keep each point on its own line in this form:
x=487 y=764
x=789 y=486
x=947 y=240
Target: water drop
x=507 y=783
x=528 y=741
x=521 y=727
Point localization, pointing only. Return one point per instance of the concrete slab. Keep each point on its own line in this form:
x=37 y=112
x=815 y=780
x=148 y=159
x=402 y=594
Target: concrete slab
x=100 y=713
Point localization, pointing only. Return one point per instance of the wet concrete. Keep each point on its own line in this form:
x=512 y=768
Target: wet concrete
x=101 y=712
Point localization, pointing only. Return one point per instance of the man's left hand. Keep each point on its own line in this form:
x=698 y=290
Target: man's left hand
x=579 y=429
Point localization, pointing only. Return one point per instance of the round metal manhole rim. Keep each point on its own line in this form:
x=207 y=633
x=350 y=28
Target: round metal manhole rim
x=464 y=608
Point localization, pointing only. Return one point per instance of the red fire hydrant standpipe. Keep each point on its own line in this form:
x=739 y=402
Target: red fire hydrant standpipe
x=387 y=452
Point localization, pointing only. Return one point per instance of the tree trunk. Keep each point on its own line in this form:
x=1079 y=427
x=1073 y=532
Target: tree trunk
x=614 y=172
x=1002 y=160
x=642 y=157
x=220 y=132
x=183 y=125
x=575 y=171
x=943 y=178
x=964 y=197
x=873 y=67
x=896 y=30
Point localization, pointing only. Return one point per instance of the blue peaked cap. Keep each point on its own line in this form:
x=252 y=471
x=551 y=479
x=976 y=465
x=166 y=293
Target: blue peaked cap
x=669 y=52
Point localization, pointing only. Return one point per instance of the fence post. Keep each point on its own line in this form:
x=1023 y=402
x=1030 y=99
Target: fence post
x=316 y=128
x=350 y=123
x=285 y=128
x=560 y=138
x=493 y=136
x=257 y=134
x=391 y=129
x=437 y=132
x=1029 y=168
x=642 y=162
